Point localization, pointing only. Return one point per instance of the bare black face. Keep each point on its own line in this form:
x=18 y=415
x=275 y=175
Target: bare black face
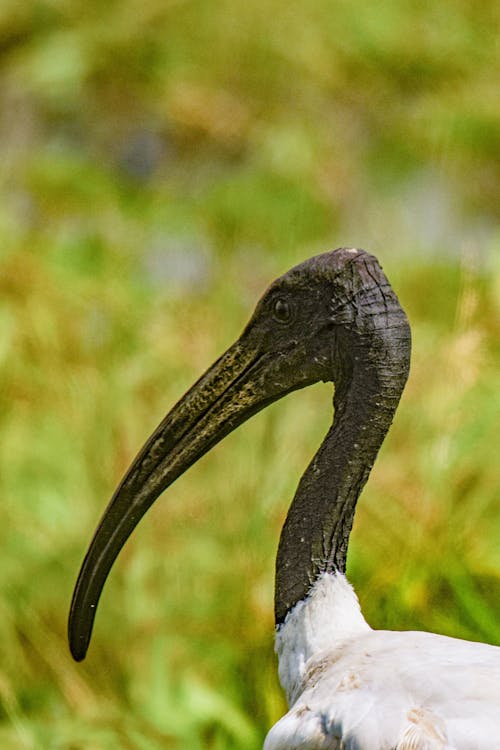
x=345 y=289
x=314 y=323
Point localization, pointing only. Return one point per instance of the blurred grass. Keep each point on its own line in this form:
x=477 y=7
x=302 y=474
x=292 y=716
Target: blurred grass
x=161 y=164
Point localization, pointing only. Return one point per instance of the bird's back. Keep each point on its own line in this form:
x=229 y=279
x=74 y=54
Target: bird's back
x=385 y=690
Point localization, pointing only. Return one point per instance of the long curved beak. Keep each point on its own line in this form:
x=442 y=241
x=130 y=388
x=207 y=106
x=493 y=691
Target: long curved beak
x=236 y=386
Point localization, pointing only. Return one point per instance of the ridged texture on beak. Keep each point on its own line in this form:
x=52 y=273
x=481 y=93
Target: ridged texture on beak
x=240 y=383
x=225 y=396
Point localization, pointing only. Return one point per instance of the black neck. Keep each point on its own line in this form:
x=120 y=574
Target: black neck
x=315 y=536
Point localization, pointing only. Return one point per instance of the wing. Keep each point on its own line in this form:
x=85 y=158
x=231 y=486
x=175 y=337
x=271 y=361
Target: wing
x=302 y=729
x=355 y=720
x=396 y=691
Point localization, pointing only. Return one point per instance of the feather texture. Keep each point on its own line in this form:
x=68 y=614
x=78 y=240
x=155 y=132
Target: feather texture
x=380 y=690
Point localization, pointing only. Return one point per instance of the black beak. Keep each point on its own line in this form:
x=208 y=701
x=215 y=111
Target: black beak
x=240 y=383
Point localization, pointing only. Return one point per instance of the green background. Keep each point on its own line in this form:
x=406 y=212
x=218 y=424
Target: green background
x=161 y=163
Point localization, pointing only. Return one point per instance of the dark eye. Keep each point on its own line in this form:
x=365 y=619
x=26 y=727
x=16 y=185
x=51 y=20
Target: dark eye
x=282 y=311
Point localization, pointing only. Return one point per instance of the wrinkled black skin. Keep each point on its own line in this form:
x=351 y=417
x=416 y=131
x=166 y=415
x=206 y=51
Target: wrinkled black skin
x=370 y=356
x=332 y=318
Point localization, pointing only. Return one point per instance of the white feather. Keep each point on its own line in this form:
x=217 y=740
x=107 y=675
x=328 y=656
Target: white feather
x=352 y=688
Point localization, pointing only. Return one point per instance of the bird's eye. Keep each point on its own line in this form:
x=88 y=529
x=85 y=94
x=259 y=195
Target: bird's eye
x=282 y=311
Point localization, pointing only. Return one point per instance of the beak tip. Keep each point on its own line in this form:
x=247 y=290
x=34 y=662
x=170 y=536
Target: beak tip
x=79 y=632
x=78 y=648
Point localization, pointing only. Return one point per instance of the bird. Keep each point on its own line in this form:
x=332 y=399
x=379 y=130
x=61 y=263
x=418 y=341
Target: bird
x=332 y=318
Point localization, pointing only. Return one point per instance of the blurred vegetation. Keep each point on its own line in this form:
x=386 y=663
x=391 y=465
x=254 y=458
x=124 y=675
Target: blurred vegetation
x=160 y=163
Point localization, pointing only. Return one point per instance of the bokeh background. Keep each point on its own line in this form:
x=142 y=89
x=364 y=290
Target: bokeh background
x=161 y=162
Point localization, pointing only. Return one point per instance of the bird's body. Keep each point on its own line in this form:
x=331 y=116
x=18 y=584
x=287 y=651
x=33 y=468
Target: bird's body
x=332 y=318
x=353 y=688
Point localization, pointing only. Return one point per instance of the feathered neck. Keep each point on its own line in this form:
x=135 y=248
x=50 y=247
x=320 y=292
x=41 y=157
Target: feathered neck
x=328 y=617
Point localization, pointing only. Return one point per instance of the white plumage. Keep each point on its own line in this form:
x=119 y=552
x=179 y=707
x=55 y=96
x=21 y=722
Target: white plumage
x=353 y=688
